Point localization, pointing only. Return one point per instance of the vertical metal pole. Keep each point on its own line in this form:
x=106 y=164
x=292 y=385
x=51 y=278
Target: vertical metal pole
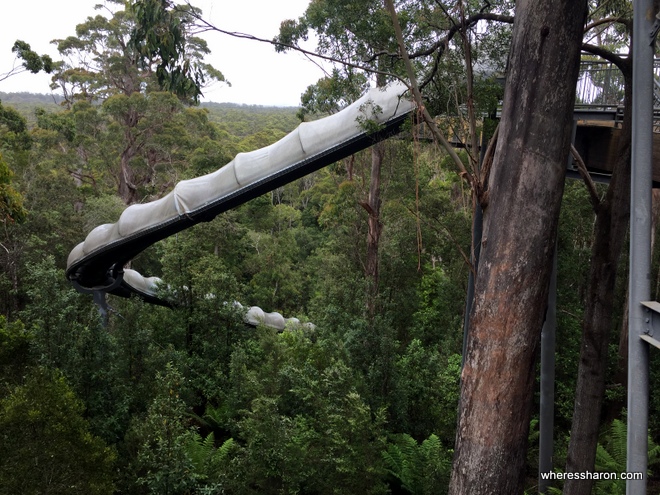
x=640 y=244
x=547 y=414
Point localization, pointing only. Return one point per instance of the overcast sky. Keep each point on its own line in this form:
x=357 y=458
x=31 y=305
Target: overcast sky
x=257 y=73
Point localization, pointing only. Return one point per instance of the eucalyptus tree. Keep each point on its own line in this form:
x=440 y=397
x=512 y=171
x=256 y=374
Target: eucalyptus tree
x=520 y=223
x=124 y=59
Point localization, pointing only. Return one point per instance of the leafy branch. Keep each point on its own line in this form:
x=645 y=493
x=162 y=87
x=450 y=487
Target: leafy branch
x=32 y=61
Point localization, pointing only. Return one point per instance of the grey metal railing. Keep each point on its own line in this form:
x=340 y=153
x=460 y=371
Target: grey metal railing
x=600 y=88
x=600 y=84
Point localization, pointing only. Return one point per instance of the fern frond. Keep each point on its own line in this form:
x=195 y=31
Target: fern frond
x=618 y=442
x=213 y=416
x=199 y=450
x=223 y=452
x=394 y=460
x=605 y=462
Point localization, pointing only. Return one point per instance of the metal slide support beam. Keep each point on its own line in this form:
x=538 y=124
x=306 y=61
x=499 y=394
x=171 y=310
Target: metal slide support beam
x=652 y=321
x=640 y=244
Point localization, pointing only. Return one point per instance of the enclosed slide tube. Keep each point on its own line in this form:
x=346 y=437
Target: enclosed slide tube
x=97 y=264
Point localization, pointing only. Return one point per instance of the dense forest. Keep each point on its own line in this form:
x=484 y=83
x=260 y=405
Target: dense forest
x=374 y=250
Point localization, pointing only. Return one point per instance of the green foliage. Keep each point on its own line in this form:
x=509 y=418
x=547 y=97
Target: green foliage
x=11 y=201
x=302 y=425
x=422 y=469
x=14 y=142
x=46 y=445
x=611 y=458
x=161 y=33
x=56 y=316
x=440 y=309
x=427 y=389
x=208 y=461
x=331 y=94
x=163 y=464
x=13 y=130
x=32 y=61
x=15 y=356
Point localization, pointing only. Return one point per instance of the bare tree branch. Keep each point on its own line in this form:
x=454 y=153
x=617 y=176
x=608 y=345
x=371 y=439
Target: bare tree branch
x=609 y=20
x=417 y=95
x=469 y=23
x=621 y=62
x=486 y=166
x=15 y=70
x=206 y=26
x=588 y=181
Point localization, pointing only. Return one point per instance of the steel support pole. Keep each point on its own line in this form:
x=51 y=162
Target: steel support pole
x=640 y=245
x=547 y=406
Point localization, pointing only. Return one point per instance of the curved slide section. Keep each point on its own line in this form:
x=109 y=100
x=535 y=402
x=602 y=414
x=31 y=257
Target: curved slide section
x=97 y=263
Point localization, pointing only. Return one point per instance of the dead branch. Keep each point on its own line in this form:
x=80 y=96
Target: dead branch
x=207 y=26
x=417 y=95
x=486 y=166
x=588 y=181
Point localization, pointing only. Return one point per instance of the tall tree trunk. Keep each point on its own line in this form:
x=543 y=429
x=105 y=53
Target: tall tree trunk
x=520 y=225
x=375 y=226
x=127 y=190
x=612 y=219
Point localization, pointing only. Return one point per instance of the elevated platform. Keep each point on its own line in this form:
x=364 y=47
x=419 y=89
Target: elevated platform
x=597 y=134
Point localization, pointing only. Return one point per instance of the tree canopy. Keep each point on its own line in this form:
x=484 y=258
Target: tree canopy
x=190 y=399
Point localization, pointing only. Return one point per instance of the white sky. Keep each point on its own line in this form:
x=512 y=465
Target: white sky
x=257 y=73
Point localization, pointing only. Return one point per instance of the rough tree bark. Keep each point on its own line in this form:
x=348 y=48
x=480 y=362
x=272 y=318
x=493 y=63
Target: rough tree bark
x=612 y=219
x=372 y=206
x=127 y=189
x=520 y=224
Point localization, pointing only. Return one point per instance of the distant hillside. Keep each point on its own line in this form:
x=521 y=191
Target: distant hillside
x=31 y=98
x=27 y=103
x=246 y=120
x=241 y=120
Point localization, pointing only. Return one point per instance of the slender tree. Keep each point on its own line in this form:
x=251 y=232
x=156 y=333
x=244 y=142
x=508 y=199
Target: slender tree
x=611 y=225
